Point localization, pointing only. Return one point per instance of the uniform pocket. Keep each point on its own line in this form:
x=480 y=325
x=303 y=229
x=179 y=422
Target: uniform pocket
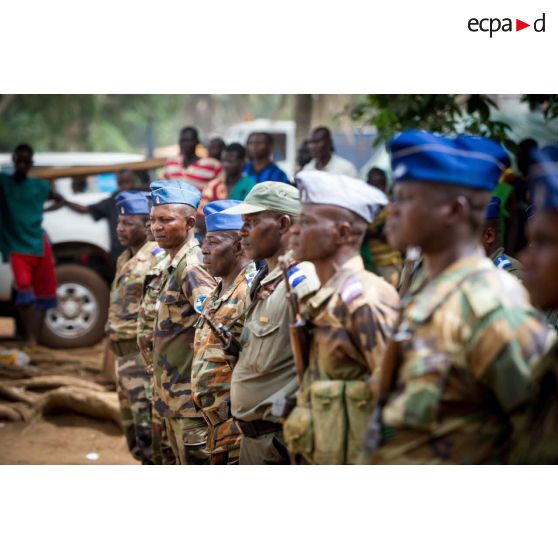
x=358 y=401
x=298 y=431
x=330 y=421
x=262 y=349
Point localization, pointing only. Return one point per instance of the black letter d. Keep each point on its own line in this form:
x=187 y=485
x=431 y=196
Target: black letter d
x=535 y=25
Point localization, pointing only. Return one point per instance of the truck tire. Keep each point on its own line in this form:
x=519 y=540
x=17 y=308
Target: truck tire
x=83 y=300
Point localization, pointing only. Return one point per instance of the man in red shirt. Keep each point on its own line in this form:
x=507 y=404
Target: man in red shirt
x=198 y=171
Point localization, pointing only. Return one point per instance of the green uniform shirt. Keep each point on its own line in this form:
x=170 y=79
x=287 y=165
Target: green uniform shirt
x=21 y=215
x=265 y=368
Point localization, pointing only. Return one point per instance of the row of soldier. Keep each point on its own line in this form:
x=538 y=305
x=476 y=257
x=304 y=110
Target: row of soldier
x=271 y=344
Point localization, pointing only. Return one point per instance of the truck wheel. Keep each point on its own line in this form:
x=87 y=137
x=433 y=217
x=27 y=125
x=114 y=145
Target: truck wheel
x=80 y=317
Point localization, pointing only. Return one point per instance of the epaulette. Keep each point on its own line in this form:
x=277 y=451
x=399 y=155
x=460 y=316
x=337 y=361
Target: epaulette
x=296 y=276
x=352 y=288
x=502 y=262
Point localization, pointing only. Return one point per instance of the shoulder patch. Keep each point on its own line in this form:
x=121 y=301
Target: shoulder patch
x=249 y=276
x=296 y=276
x=352 y=288
x=502 y=262
x=157 y=251
x=198 y=304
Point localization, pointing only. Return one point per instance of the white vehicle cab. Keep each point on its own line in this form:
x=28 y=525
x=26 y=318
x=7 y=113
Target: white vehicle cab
x=81 y=250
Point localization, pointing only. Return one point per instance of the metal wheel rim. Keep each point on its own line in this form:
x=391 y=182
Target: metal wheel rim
x=76 y=313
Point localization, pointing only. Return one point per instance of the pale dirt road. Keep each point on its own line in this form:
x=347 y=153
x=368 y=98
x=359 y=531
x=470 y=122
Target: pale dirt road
x=65 y=438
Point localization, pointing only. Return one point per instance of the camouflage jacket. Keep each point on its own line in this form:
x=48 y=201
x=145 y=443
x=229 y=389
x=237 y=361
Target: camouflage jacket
x=466 y=344
x=179 y=301
x=126 y=291
x=351 y=317
x=503 y=261
x=535 y=440
x=147 y=311
x=212 y=368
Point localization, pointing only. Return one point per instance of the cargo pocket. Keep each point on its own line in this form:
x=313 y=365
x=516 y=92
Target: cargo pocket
x=358 y=401
x=298 y=431
x=329 y=420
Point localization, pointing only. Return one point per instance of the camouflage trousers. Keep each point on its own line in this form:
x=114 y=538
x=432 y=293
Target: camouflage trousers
x=161 y=449
x=132 y=385
x=188 y=438
x=268 y=449
x=223 y=440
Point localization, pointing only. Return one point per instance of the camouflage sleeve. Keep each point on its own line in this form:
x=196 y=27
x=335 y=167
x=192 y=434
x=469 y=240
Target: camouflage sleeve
x=131 y=299
x=197 y=284
x=369 y=336
x=503 y=351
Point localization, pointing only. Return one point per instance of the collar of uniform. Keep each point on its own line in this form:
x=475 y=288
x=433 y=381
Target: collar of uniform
x=435 y=292
x=238 y=279
x=183 y=251
x=143 y=253
x=498 y=252
x=334 y=283
x=272 y=275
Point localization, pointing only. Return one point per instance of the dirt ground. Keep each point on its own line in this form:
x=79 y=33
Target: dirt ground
x=62 y=438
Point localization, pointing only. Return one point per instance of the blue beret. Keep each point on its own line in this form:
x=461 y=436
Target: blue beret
x=342 y=191
x=132 y=203
x=543 y=178
x=165 y=192
x=469 y=161
x=493 y=208
x=217 y=221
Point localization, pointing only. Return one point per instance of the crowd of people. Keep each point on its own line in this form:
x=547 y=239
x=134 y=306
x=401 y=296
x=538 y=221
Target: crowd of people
x=324 y=319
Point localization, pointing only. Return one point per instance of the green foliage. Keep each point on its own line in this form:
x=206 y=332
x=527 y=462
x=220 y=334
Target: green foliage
x=547 y=104
x=120 y=122
x=439 y=113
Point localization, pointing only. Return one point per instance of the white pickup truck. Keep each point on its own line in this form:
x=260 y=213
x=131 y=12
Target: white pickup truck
x=81 y=247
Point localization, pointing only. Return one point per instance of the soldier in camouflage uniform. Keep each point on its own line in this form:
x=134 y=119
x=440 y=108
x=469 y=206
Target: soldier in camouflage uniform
x=161 y=450
x=185 y=285
x=350 y=319
x=265 y=370
x=125 y=297
x=458 y=371
x=492 y=241
x=537 y=437
x=212 y=368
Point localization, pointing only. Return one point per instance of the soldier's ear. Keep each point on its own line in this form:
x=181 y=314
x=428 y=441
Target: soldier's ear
x=285 y=222
x=344 y=232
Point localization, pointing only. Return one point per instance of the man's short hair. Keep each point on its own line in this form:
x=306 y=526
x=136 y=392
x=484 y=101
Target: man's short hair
x=268 y=137
x=190 y=130
x=236 y=148
x=327 y=132
x=24 y=148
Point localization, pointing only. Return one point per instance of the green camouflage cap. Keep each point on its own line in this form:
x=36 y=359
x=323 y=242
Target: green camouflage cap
x=269 y=196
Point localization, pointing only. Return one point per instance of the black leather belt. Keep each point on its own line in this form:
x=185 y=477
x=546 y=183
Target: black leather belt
x=257 y=428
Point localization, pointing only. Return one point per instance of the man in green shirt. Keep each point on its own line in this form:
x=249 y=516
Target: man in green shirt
x=24 y=242
x=238 y=184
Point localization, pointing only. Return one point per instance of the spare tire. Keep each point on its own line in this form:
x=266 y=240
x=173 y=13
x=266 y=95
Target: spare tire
x=80 y=317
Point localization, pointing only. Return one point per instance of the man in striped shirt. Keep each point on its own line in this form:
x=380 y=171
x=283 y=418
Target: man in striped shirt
x=198 y=171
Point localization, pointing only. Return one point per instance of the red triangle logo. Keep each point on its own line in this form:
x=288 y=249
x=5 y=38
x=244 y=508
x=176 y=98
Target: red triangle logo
x=519 y=25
